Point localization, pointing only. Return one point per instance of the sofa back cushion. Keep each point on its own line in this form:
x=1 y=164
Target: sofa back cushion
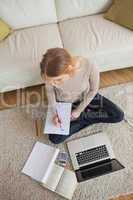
x=76 y=8
x=25 y=13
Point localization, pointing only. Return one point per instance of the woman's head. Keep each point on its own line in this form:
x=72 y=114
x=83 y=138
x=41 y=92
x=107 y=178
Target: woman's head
x=56 y=65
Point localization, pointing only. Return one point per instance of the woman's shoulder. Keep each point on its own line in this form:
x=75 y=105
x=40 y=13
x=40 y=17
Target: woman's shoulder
x=89 y=65
x=89 y=62
x=81 y=58
x=84 y=60
x=85 y=63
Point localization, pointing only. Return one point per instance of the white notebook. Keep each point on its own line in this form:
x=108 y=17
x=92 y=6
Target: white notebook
x=64 y=111
x=41 y=167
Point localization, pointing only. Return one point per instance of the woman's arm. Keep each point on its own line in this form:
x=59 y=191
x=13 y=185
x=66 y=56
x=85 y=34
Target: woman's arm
x=50 y=95
x=52 y=103
x=89 y=94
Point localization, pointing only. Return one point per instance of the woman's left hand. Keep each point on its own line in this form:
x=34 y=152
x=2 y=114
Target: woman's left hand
x=74 y=115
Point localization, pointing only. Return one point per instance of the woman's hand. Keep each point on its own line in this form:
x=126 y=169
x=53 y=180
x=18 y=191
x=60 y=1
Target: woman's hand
x=74 y=115
x=56 y=120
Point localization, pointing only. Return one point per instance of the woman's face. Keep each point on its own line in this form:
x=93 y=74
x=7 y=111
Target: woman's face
x=55 y=81
x=58 y=80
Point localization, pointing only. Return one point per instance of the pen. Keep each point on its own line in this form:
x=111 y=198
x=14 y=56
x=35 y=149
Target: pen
x=59 y=120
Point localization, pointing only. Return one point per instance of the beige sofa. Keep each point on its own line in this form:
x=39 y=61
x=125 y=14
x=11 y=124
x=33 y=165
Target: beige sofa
x=77 y=25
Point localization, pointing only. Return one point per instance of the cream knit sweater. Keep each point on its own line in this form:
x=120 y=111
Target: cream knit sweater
x=82 y=86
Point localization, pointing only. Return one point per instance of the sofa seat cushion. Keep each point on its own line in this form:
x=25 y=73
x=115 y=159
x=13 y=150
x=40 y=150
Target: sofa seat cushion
x=21 y=53
x=108 y=44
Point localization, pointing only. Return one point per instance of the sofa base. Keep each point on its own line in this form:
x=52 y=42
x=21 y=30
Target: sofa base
x=36 y=94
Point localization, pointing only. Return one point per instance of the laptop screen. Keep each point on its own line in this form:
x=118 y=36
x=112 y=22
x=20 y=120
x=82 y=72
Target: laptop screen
x=99 y=169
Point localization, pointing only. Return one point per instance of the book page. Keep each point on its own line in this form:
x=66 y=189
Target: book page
x=53 y=177
x=41 y=157
x=64 y=111
x=67 y=184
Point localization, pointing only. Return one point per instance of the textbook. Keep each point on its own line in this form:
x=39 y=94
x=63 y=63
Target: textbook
x=63 y=110
x=41 y=166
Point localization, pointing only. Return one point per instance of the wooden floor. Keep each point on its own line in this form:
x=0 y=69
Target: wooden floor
x=116 y=77
x=36 y=94
x=124 y=197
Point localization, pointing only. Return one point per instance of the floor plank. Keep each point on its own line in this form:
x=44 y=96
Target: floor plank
x=124 y=197
x=116 y=77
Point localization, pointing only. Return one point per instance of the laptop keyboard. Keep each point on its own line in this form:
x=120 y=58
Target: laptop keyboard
x=91 y=155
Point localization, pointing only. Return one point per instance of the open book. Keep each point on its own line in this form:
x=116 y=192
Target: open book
x=64 y=112
x=41 y=167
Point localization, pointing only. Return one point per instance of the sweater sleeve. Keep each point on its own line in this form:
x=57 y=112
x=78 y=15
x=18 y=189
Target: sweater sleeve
x=50 y=95
x=90 y=93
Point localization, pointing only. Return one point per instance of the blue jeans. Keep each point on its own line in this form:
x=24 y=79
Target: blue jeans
x=99 y=110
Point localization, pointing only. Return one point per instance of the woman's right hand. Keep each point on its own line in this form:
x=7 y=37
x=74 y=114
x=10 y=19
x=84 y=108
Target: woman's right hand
x=56 y=120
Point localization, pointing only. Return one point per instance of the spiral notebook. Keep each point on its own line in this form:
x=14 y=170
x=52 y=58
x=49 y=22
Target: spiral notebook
x=64 y=112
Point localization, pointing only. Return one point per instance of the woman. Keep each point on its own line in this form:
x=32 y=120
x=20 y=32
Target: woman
x=76 y=80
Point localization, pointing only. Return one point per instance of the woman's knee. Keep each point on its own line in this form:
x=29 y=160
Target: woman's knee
x=119 y=116
x=56 y=139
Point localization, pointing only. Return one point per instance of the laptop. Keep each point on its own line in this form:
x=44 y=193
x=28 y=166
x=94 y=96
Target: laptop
x=92 y=156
